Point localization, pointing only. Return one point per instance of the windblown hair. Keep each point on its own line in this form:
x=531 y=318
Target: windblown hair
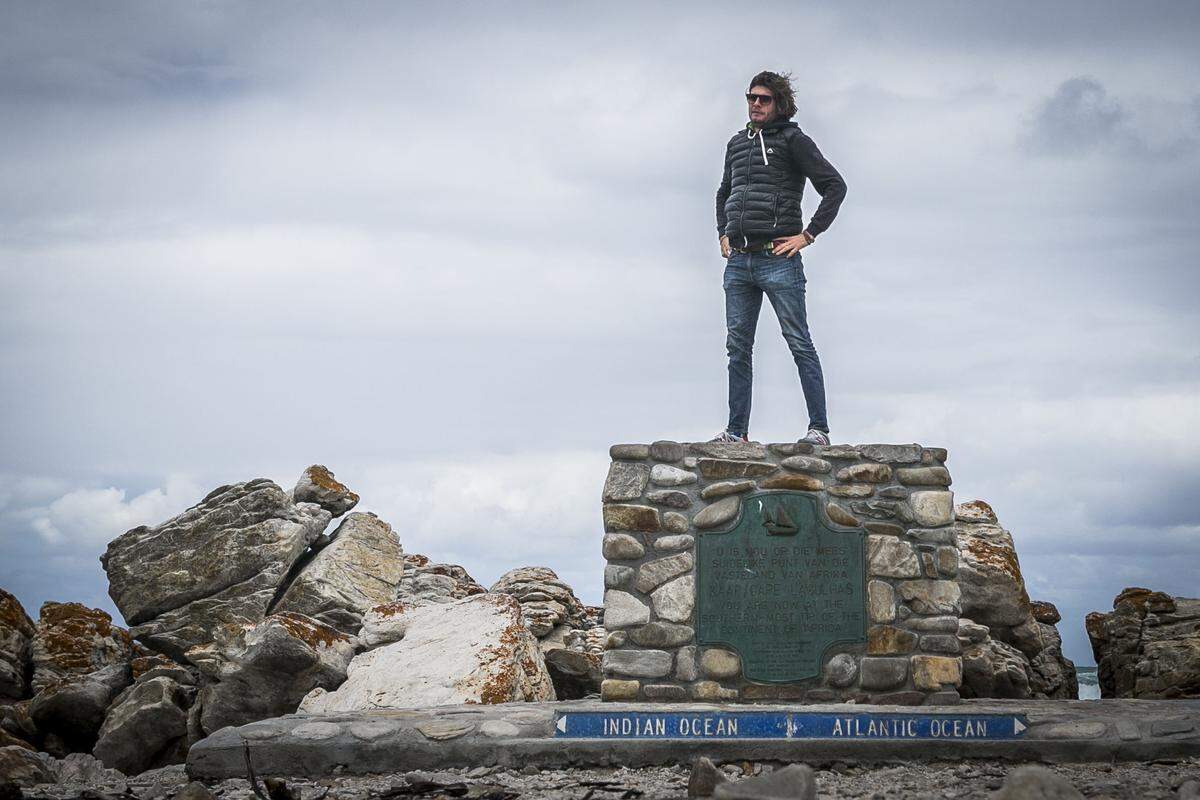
x=781 y=88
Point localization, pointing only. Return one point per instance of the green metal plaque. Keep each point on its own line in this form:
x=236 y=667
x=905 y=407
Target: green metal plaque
x=781 y=586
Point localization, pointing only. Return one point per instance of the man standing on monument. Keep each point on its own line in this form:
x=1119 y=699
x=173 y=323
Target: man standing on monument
x=761 y=234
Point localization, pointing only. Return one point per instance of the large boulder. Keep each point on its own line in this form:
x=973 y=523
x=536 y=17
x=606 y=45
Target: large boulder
x=73 y=710
x=356 y=569
x=266 y=670
x=1019 y=652
x=24 y=767
x=425 y=582
x=473 y=650
x=1148 y=646
x=72 y=640
x=317 y=485
x=146 y=726
x=16 y=633
x=546 y=601
x=218 y=564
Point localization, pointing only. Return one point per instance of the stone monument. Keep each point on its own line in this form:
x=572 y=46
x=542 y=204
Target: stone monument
x=782 y=572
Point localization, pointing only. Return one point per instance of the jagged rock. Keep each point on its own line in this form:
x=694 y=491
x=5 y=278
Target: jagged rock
x=546 y=601
x=73 y=709
x=1035 y=782
x=24 y=768
x=16 y=633
x=220 y=563
x=425 y=582
x=793 y=782
x=146 y=726
x=317 y=485
x=474 y=650
x=265 y=671
x=1148 y=646
x=995 y=669
x=1031 y=662
x=705 y=778
x=72 y=640
x=16 y=721
x=359 y=567
x=83 y=768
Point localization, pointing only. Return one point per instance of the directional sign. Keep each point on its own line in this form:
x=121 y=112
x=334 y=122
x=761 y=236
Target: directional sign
x=785 y=725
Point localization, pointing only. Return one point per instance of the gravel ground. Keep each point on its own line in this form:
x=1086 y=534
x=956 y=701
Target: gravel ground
x=974 y=779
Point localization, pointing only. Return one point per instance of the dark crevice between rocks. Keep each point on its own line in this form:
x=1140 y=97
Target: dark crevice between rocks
x=326 y=538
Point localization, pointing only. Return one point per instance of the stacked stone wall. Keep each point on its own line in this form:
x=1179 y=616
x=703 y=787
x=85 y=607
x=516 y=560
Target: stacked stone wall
x=659 y=498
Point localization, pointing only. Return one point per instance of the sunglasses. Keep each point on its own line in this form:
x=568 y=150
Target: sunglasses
x=764 y=99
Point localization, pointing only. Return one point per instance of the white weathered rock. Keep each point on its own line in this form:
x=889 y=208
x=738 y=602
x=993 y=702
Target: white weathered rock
x=217 y=564
x=475 y=650
x=546 y=601
x=317 y=485
x=622 y=610
x=265 y=671
x=666 y=475
x=675 y=600
x=932 y=508
x=358 y=568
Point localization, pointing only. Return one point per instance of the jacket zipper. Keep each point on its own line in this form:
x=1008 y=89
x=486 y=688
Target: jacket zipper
x=746 y=191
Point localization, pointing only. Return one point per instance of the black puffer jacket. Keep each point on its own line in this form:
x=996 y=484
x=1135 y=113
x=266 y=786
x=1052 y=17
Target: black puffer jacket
x=759 y=197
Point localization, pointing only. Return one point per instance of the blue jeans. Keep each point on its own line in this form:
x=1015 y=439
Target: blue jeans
x=747 y=276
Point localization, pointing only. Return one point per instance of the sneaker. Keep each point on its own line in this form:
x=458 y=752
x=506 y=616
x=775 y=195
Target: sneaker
x=816 y=437
x=726 y=436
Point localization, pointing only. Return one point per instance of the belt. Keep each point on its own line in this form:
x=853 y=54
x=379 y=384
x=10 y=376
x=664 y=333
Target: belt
x=755 y=248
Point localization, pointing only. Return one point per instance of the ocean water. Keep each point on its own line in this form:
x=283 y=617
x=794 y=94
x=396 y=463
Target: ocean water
x=1089 y=686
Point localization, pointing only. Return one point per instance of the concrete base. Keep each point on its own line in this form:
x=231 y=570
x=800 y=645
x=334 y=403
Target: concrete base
x=517 y=734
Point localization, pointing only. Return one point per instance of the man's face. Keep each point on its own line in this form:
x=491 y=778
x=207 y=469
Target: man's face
x=762 y=105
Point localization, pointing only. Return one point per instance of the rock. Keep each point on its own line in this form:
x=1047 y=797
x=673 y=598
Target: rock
x=23 y=768
x=806 y=464
x=891 y=557
x=77 y=768
x=799 y=483
x=662 y=634
x=932 y=508
x=675 y=600
x=425 y=582
x=716 y=662
x=575 y=673
x=623 y=610
x=16 y=634
x=729 y=450
x=1045 y=612
x=793 y=782
x=73 y=709
x=841 y=516
x=841 y=670
x=666 y=475
x=717 y=469
x=975 y=511
x=673 y=522
x=715 y=491
x=891 y=453
x=146 y=727
x=653 y=574
x=669 y=543
x=705 y=778
x=883 y=673
x=865 y=473
x=994 y=669
x=924 y=476
x=616 y=575
x=931 y=597
x=1148 y=646
x=853 y=491
x=358 y=568
x=631 y=518
x=883 y=640
x=1035 y=782
x=718 y=513
x=613 y=689
x=546 y=602
x=638 y=663
x=670 y=498
x=989 y=574
x=935 y=672
x=317 y=485
x=195 y=790
x=629 y=452
x=72 y=640
x=622 y=547
x=265 y=671
x=626 y=481
x=218 y=564
x=667 y=451
x=475 y=650
x=881 y=601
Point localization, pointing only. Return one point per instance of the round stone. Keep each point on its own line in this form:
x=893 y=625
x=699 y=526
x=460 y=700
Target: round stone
x=622 y=547
x=676 y=600
x=718 y=663
x=806 y=464
x=666 y=475
x=724 y=489
x=655 y=573
x=674 y=522
x=717 y=513
x=932 y=508
x=841 y=516
x=662 y=634
x=371 y=730
x=623 y=610
x=316 y=730
x=841 y=670
x=669 y=543
x=498 y=729
x=638 y=663
x=671 y=498
x=667 y=451
x=616 y=575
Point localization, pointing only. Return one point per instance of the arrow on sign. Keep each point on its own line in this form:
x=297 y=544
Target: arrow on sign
x=1017 y=726
x=561 y=725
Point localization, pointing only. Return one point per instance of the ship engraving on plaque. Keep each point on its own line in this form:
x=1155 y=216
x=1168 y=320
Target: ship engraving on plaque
x=781 y=586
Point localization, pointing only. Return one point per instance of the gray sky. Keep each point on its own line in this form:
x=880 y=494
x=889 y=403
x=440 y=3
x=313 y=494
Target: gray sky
x=454 y=253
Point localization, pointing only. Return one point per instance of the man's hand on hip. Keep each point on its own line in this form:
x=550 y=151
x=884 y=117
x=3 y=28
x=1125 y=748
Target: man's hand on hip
x=789 y=245
x=726 y=250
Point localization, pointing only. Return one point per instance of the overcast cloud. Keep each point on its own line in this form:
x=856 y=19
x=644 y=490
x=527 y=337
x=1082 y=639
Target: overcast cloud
x=454 y=253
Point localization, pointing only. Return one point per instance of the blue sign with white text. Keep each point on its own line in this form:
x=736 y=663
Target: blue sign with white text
x=784 y=725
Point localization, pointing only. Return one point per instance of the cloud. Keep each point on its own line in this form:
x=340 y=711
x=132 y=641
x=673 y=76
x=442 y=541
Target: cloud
x=1081 y=118
x=90 y=517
